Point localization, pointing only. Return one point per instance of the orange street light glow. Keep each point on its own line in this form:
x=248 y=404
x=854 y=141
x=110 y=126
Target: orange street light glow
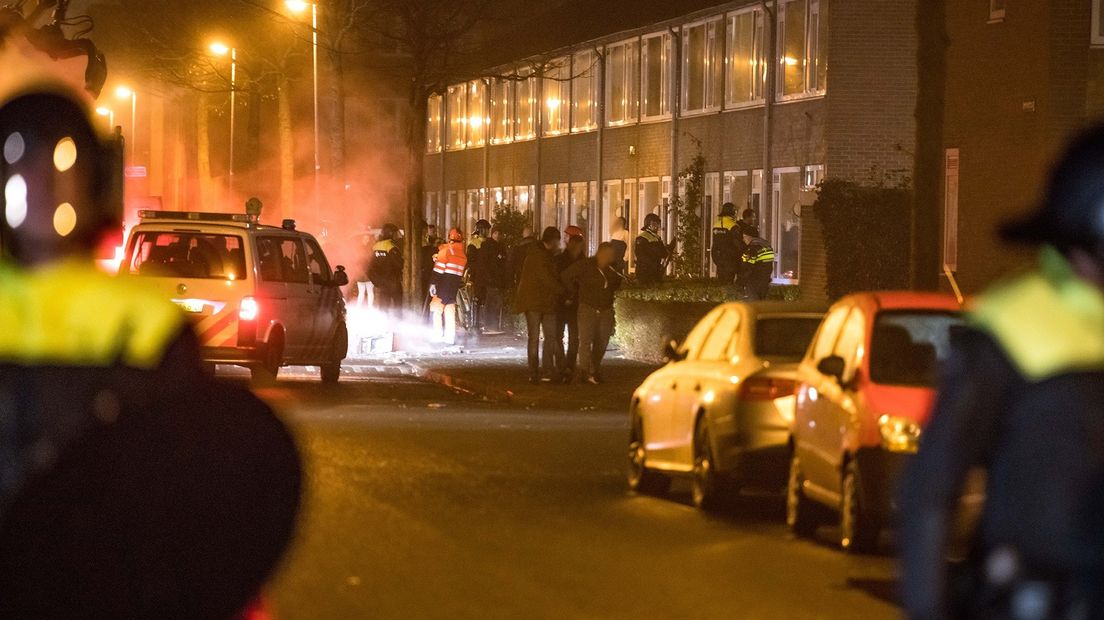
x=219 y=49
x=297 y=6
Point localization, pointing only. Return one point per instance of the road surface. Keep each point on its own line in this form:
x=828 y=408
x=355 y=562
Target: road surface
x=426 y=503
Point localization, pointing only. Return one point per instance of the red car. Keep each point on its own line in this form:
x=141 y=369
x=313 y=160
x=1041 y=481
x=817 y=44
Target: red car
x=865 y=390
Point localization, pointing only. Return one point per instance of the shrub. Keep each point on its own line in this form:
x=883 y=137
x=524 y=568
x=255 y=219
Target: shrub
x=688 y=206
x=866 y=235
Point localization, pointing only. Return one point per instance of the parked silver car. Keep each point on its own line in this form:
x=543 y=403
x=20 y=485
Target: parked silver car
x=720 y=411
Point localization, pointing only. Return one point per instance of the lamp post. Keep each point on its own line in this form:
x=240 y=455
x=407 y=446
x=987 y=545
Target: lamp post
x=299 y=7
x=124 y=92
x=221 y=49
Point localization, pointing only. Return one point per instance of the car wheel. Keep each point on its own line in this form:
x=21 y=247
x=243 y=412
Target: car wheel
x=272 y=357
x=339 y=348
x=640 y=478
x=802 y=515
x=705 y=485
x=858 y=530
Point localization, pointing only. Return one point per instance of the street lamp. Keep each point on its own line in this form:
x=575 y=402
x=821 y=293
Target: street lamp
x=299 y=7
x=124 y=92
x=221 y=49
x=109 y=113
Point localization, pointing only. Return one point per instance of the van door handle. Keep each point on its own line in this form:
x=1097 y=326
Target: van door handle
x=697 y=388
x=674 y=386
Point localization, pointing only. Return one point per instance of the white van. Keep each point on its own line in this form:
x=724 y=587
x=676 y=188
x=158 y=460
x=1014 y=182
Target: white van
x=260 y=296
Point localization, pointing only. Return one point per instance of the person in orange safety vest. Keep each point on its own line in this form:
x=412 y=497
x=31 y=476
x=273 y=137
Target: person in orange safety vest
x=449 y=265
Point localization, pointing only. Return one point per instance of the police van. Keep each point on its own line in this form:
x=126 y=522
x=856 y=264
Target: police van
x=260 y=296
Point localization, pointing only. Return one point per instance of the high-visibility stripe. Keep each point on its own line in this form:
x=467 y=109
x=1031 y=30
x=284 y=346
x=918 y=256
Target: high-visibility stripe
x=220 y=329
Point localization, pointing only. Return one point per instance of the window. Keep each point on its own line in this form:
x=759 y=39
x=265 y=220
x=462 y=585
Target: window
x=556 y=116
x=317 y=264
x=584 y=91
x=477 y=112
x=802 y=48
x=523 y=197
x=657 y=62
x=525 y=127
x=554 y=205
x=786 y=338
x=282 y=260
x=829 y=333
x=1097 y=38
x=457 y=134
x=502 y=111
x=623 y=83
x=696 y=338
x=996 y=11
x=583 y=196
x=184 y=255
x=737 y=190
x=851 y=345
x=746 y=67
x=716 y=346
x=907 y=348
x=703 y=69
x=782 y=226
x=433 y=124
x=950 y=209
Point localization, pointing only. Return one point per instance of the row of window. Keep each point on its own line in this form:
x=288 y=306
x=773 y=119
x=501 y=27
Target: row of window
x=724 y=67
x=578 y=204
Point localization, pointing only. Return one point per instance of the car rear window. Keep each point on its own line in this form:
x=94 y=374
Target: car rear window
x=908 y=347
x=784 y=337
x=187 y=255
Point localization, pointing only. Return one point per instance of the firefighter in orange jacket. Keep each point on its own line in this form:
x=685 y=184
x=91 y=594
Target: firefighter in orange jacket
x=449 y=266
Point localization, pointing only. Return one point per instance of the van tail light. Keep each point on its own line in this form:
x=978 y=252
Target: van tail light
x=249 y=309
x=767 y=388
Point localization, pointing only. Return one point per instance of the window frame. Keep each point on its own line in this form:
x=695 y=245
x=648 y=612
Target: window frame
x=716 y=33
x=775 y=237
x=630 y=81
x=434 y=114
x=526 y=77
x=591 y=74
x=759 y=50
x=509 y=118
x=456 y=121
x=555 y=76
x=666 y=76
x=810 y=57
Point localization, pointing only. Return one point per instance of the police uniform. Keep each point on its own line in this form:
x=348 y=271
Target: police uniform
x=650 y=252
x=385 y=273
x=758 y=268
x=724 y=251
x=1022 y=398
x=132 y=484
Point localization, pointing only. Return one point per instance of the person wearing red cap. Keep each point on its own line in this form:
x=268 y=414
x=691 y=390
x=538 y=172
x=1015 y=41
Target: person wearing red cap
x=449 y=266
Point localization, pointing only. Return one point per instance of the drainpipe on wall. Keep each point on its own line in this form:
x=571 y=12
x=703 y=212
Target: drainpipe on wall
x=767 y=195
x=676 y=105
x=600 y=224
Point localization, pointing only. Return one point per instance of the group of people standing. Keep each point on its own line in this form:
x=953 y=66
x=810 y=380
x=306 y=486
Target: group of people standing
x=741 y=255
x=561 y=291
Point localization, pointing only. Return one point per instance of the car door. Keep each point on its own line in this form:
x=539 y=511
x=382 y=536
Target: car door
x=272 y=289
x=852 y=347
x=814 y=407
x=325 y=299
x=298 y=319
x=663 y=394
x=700 y=378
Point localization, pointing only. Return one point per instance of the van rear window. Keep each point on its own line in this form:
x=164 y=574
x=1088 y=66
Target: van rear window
x=187 y=255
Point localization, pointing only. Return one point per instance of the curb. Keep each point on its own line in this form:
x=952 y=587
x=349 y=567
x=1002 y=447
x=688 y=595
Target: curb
x=473 y=388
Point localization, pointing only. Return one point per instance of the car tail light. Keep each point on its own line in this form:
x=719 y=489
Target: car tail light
x=249 y=309
x=767 y=388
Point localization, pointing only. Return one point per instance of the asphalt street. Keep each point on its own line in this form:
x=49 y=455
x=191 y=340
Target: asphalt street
x=426 y=503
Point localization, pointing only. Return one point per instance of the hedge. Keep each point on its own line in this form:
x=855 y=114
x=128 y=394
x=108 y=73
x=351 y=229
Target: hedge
x=649 y=317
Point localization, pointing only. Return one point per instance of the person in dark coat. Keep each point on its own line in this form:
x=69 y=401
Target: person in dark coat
x=498 y=279
x=520 y=251
x=567 y=313
x=595 y=281
x=386 y=269
x=724 y=250
x=478 y=271
x=758 y=261
x=1022 y=400
x=537 y=296
x=650 y=252
x=428 y=248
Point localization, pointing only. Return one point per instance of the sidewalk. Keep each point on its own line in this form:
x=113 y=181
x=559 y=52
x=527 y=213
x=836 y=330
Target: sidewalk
x=495 y=368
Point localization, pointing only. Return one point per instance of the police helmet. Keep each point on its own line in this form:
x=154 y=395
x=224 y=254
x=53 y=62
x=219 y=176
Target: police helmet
x=60 y=180
x=388 y=231
x=483 y=228
x=728 y=210
x=1072 y=212
x=652 y=220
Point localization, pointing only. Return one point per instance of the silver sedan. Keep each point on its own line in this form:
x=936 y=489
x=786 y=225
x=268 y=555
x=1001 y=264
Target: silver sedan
x=720 y=410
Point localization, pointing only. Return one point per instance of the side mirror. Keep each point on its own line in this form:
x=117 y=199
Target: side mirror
x=671 y=352
x=832 y=366
x=340 y=278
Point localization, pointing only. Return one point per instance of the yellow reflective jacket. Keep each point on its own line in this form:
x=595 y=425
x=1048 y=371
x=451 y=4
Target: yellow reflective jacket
x=70 y=314
x=1048 y=320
